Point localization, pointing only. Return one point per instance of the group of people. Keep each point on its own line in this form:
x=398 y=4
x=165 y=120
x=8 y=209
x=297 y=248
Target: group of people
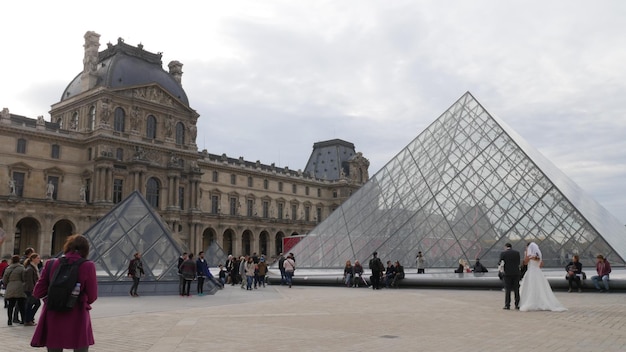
x=390 y=276
x=248 y=271
x=19 y=279
x=532 y=291
x=190 y=270
x=26 y=280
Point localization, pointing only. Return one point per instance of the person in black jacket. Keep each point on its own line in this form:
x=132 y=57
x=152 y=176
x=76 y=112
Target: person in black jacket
x=574 y=273
x=377 y=268
x=512 y=260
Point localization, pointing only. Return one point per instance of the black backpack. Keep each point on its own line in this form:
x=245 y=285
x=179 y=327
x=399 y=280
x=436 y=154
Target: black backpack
x=62 y=282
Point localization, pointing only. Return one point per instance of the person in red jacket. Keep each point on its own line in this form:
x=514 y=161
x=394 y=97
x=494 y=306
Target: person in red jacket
x=604 y=269
x=68 y=329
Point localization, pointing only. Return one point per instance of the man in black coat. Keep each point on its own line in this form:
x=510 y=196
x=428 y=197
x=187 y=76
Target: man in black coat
x=511 y=260
x=377 y=268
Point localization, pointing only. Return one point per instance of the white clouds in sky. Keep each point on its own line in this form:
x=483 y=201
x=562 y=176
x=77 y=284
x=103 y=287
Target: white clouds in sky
x=270 y=78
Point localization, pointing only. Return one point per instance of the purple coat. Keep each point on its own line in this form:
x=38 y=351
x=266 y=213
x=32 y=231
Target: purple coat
x=71 y=329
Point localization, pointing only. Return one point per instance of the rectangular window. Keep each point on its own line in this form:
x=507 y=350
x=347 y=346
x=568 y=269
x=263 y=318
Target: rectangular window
x=307 y=213
x=319 y=214
x=88 y=153
x=56 y=151
x=52 y=187
x=319 y=192
x=306 y=190
x=280 y=210
x=280 y=186
x=181 y=198
x=215 y=176
x=21 y=146
x=266 y=209
x=266 y=184
x=294 y=212
x=294 y=188
x=215 y=204
x=118 y=187
x=233 y=179
x=233 y=206
x=249 y=181
x=250 y=207
x=334 y=193
x=18 y=179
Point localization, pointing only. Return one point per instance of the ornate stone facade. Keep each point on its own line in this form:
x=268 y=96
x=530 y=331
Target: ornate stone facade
x=104 y=141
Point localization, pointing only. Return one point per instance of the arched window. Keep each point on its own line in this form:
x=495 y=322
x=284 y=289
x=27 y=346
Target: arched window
x=60 y=122
x=151 y=127
x=180 y=133
x=152 y=192
x=92 y=118
x=120 y=118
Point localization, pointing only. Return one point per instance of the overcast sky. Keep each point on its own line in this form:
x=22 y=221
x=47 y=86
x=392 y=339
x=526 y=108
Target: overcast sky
x=270 y=78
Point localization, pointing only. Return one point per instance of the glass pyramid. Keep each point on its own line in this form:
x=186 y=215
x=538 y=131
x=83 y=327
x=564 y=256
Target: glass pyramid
x=133 y=226
x=215 y=255
x=460 y=190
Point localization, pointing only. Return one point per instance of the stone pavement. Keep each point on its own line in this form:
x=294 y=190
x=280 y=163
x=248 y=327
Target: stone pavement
x=312 y=318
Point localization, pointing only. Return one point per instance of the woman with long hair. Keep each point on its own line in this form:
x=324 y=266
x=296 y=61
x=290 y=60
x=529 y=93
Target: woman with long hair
x=31 y=276
x=68 y=329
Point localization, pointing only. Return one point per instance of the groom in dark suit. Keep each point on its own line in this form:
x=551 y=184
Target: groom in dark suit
x=511 y=260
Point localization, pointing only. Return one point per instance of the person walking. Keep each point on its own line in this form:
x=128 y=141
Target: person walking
x=281 y=267
x=31 y=276
x=68 y=329
x=135 y=271
x=13 y=279
x=290 y=267
x=511 y=259
x=377 y=267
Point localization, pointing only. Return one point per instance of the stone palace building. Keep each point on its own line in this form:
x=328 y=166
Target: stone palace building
x=125 y=124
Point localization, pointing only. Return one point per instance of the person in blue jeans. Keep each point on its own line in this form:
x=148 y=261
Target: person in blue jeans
x=290 y=267
x=603 y=267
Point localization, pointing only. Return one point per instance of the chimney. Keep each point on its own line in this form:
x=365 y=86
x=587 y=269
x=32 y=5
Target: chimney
x=90 y=61
x=176 y=70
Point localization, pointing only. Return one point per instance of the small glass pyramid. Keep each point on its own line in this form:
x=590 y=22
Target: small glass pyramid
x=133 y=226
x=461 y=189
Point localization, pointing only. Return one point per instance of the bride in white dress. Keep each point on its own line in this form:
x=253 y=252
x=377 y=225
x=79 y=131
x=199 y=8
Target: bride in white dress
x=535 y=290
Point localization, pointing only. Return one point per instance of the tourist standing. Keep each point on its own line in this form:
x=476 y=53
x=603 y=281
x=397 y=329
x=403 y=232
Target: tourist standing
x=31 y=276
x=68 y=329
x=135 y=271
x=13 y=279
x=420 y=262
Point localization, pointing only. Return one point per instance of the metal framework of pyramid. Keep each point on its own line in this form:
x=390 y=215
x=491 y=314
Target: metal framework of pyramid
x=133 y=226
x=461 y=189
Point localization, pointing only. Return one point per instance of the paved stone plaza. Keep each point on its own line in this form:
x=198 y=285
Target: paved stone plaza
x=307 y=318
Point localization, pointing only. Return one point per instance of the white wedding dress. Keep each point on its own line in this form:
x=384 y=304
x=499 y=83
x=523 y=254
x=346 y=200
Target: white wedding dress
x=535 y=291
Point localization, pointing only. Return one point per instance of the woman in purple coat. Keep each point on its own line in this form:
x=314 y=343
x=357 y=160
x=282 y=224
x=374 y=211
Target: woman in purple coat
x=69 y=329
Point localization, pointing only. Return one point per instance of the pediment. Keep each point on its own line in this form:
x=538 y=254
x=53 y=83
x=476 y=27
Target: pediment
x=154 y=93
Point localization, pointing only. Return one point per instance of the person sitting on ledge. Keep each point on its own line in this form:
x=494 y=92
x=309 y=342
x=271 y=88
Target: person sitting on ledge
x=479 y=267
x=398 y=275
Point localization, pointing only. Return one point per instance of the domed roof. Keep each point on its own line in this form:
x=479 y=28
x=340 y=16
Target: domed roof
x=123 y=65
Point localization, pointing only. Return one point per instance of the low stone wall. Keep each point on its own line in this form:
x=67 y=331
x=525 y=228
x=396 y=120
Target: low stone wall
x=441 y=280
